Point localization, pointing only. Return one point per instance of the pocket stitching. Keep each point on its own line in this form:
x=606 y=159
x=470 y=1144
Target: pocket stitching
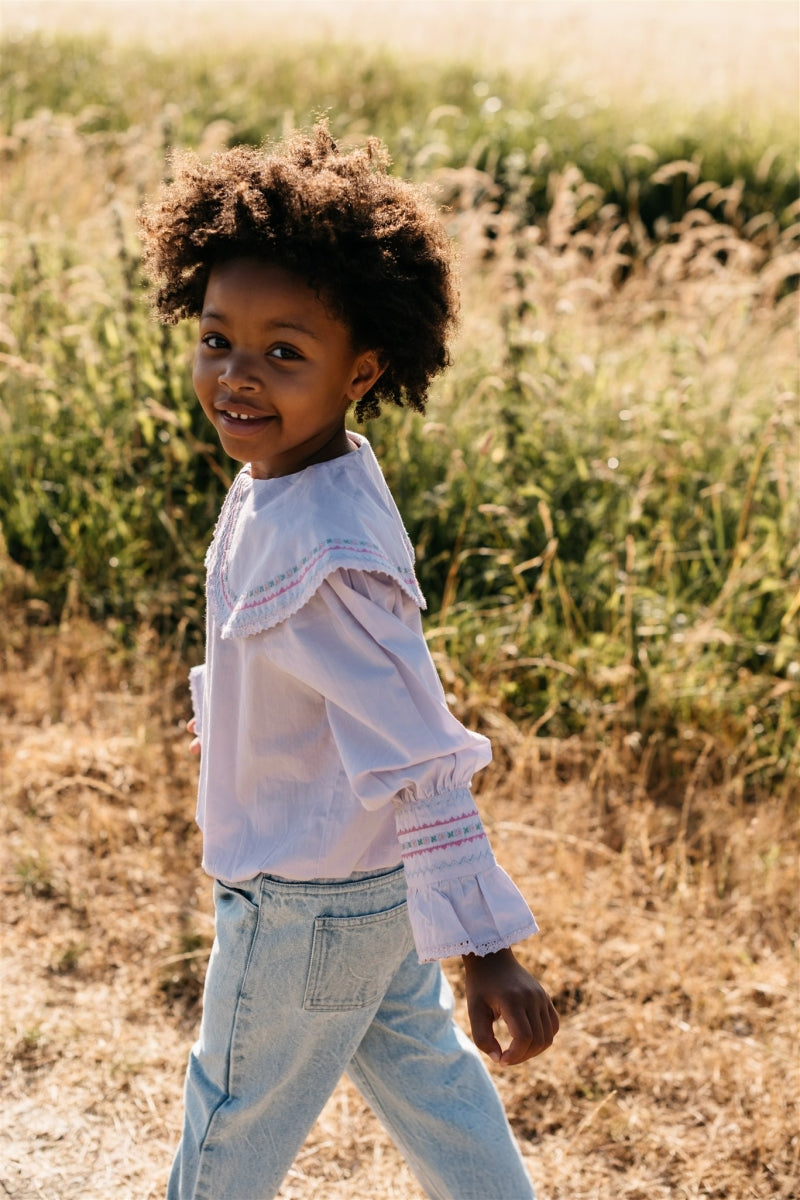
x=313 y=1000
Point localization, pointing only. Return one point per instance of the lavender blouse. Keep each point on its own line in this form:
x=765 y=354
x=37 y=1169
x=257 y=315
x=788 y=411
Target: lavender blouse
x=327 y=743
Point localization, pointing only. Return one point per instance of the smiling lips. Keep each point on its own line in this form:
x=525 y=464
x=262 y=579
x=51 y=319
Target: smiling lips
x=242 y=423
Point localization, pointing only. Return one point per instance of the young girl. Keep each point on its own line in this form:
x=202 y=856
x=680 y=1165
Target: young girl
x=334 y=798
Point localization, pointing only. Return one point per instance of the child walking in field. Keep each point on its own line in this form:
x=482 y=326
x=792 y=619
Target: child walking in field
x=334 y=792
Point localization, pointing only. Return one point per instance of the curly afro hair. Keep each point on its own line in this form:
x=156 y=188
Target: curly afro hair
x=369 y=244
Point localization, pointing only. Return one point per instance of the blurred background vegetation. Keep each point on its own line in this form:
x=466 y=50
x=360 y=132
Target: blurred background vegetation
x=603 y=495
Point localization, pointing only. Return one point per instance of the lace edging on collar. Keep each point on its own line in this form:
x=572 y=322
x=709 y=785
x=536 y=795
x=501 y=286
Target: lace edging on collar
x=269 y=601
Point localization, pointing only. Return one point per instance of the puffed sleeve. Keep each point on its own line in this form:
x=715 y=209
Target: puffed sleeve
x=358 y=643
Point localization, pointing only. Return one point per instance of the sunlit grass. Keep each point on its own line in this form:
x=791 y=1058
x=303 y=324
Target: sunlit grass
x=602 y=496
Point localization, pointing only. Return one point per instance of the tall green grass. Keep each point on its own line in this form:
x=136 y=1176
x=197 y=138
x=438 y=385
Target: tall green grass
x=603 y=496
x=517 y=128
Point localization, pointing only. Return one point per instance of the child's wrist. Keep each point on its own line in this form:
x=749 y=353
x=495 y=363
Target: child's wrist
x=471 y=961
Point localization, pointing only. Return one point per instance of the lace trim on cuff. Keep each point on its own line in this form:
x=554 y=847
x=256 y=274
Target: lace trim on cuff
x=467 y=946
x=475 y=915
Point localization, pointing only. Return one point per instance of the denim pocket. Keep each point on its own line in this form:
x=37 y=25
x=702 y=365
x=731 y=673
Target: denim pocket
x=354 y=958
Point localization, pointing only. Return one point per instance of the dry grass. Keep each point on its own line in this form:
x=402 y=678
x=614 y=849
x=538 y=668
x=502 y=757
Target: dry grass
x=668 y=943
x=670 y=933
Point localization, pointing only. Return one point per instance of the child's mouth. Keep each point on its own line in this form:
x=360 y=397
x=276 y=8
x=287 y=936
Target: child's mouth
x=242 y=424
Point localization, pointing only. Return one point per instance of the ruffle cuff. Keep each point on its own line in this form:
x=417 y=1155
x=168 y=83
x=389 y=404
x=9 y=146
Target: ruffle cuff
x=472 y=915
x=459 y=900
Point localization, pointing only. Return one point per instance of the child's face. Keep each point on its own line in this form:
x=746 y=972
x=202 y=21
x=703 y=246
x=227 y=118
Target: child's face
x=274 y=372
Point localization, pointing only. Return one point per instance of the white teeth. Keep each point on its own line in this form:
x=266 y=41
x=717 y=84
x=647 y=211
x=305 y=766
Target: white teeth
x=242 y=416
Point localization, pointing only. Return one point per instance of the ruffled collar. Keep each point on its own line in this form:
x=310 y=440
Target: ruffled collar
x=276 y=540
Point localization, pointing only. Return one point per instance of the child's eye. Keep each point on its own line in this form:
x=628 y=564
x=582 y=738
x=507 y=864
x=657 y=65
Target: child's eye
x=215 y=341
x=284 y=352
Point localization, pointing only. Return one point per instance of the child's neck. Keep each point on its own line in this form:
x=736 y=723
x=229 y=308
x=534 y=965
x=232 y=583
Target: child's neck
x=336 y=447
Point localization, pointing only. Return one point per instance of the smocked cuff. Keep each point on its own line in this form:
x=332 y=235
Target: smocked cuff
x=442 y=837
x=459 y=900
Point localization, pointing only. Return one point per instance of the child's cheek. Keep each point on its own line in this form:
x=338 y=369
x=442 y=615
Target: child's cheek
x=199 y=374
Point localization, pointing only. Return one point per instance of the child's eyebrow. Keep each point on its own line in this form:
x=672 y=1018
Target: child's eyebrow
x=210 y=314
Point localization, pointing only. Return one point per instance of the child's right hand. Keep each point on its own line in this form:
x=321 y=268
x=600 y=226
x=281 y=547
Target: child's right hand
x=194 y=745
x=497 y=985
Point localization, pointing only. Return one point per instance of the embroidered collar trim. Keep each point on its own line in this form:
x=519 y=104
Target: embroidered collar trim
x=267 y=596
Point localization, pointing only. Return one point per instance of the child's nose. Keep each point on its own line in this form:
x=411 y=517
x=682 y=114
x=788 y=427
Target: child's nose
x=240 y=373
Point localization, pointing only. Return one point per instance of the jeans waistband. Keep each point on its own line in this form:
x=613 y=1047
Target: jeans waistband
x=358 y=881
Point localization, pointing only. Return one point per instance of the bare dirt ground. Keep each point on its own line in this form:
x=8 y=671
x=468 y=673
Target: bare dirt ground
x=667 y=942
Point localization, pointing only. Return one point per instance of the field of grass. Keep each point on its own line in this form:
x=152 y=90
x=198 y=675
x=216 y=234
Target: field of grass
x=604 y=501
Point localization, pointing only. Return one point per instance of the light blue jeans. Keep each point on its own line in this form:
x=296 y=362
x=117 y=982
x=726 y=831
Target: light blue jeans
x=307 y=981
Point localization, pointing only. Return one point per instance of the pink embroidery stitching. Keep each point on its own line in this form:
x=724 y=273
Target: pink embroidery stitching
x=445 y=821
x=300 y=571
x=443 y=846
x=299 y=578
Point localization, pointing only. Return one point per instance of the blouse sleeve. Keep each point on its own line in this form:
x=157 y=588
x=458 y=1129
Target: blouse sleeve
x=358 y=643
x=197 y=680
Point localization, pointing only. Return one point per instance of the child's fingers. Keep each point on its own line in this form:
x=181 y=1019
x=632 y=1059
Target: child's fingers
x=531 y=1034
x=481 y=1019
x=524 y=1037
x=194 y=745
x=498 y=986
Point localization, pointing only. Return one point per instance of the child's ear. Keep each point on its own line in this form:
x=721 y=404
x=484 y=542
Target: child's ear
x=369 y=367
